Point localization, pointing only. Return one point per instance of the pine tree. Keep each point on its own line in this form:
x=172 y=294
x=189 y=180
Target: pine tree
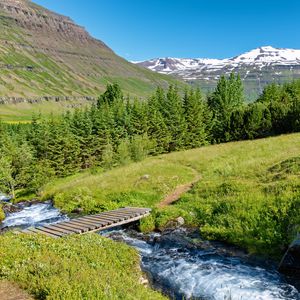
x=173 y=114
x=195 y=111
x=138 y=118
x=157 y=128
x=227 y=97
x=113 y=92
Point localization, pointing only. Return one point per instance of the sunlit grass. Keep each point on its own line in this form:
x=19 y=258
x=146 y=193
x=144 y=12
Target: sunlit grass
x=242 y=198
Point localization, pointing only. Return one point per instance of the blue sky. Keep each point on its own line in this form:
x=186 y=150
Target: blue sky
x=143 y=29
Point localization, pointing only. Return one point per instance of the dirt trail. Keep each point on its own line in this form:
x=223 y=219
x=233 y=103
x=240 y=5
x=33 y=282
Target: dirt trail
x=10 y=291
x=180 y=190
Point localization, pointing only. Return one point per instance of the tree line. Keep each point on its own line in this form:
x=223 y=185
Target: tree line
x=118 y=130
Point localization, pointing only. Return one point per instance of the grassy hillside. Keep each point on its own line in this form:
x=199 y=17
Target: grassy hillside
x=43 y=54
x=23 y=112
x=74 y=268
x=248 y=194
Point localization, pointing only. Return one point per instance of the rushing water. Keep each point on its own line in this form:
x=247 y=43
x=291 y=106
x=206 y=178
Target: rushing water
x=182 y=270
x=34 y=215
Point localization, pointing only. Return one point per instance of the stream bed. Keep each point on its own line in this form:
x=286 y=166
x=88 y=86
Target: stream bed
x=179 y=268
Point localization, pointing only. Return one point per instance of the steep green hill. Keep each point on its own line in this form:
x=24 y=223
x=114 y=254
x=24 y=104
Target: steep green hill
x=46 y=56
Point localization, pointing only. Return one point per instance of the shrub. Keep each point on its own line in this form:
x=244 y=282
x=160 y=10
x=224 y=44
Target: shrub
x=76 y=198
x=147 y=224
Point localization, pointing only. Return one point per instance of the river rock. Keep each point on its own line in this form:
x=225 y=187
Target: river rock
x=180 y=221
x=77 y=210
x=144 y=281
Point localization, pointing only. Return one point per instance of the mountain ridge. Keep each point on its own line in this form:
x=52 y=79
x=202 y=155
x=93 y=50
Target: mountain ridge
x=258 y=67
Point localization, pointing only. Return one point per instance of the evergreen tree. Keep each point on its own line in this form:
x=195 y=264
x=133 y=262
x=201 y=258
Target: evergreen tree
x=157 y=128
x=271 y=93
x=63 y=149
x=237 y=130
x=123 y=152
x=113 y=92
x=195 y=116
x=174 y=118
x=138 y=118
x=257 y=121
x=227 y=97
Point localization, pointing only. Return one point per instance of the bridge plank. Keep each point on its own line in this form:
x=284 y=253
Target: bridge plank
x=103 y=221
x=100 y=217
x=92 y=223
x=117 y=214
x=45 y=229
x=69 y=228
x=71 y=225
x=35 y=230
x=92 y=226
x=59 y=229
x=113 y=217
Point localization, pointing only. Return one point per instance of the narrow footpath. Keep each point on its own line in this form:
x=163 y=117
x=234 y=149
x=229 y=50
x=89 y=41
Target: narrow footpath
x=179 y=191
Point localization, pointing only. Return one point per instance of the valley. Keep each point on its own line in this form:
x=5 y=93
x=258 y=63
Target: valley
x=166 y=178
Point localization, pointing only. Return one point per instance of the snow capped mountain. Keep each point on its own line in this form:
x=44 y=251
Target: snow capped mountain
x=189 y=68
x=257 y=67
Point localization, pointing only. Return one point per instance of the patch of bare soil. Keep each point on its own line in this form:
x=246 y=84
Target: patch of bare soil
x=10 y=291
x=176 y=194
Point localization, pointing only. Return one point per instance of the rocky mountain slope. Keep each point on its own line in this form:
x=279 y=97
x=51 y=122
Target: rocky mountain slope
x=44 y=55
x=257 y=68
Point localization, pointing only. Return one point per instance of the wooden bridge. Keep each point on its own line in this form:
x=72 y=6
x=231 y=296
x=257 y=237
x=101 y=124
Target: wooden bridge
x=91 y=223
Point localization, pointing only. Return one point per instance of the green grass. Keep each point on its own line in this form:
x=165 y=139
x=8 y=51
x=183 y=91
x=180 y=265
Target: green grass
x=23 y=112
x=248 y=194
x=119 y=187
x=73 y=268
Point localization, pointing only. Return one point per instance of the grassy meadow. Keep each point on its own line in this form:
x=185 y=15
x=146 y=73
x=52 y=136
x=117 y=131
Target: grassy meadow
x=248 y=194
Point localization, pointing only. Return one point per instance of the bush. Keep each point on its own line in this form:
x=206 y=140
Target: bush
x=140 y=147
x=76 y=198
x=147 y=224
